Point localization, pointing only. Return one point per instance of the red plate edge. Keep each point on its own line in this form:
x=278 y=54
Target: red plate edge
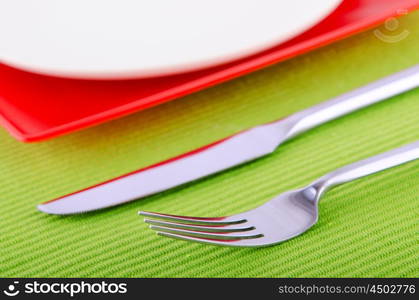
x=227 y=72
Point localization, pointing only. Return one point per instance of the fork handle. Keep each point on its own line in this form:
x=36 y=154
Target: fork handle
x=373 y=93
x=368 y=166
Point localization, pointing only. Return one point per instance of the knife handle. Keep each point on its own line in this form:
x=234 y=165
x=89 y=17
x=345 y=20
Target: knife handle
x=375 y=92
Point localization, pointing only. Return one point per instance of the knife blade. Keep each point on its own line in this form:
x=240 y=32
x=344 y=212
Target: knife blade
x=232 y=151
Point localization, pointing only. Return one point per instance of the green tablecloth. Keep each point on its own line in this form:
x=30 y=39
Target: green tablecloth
x=366 y=228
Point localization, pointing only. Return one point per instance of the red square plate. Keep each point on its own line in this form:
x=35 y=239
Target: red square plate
x=35 y=107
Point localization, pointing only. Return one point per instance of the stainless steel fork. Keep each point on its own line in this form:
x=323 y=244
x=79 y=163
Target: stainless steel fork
x=280 y=219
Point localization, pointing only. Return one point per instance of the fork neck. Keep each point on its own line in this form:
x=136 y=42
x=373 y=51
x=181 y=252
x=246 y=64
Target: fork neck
x=365 y=167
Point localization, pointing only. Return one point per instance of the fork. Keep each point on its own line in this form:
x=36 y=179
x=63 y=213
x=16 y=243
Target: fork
x=282 y=218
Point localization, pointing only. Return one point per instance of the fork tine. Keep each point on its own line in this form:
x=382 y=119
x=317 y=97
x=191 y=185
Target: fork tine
x=190 y=220
x=235 y=243
x=215 y=228
x=208 y=235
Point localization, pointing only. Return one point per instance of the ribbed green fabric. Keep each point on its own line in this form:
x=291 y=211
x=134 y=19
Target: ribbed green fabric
x=366 y=228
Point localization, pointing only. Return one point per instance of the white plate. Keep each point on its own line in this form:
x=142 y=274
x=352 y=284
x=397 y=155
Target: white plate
x=110 y=39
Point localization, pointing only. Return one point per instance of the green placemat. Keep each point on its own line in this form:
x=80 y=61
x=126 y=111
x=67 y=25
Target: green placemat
x=366 y=228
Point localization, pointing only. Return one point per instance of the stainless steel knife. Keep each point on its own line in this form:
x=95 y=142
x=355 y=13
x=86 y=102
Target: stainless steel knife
x=232 y=151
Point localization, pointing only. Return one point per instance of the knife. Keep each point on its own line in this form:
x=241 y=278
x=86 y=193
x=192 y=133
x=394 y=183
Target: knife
x=232 y=151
